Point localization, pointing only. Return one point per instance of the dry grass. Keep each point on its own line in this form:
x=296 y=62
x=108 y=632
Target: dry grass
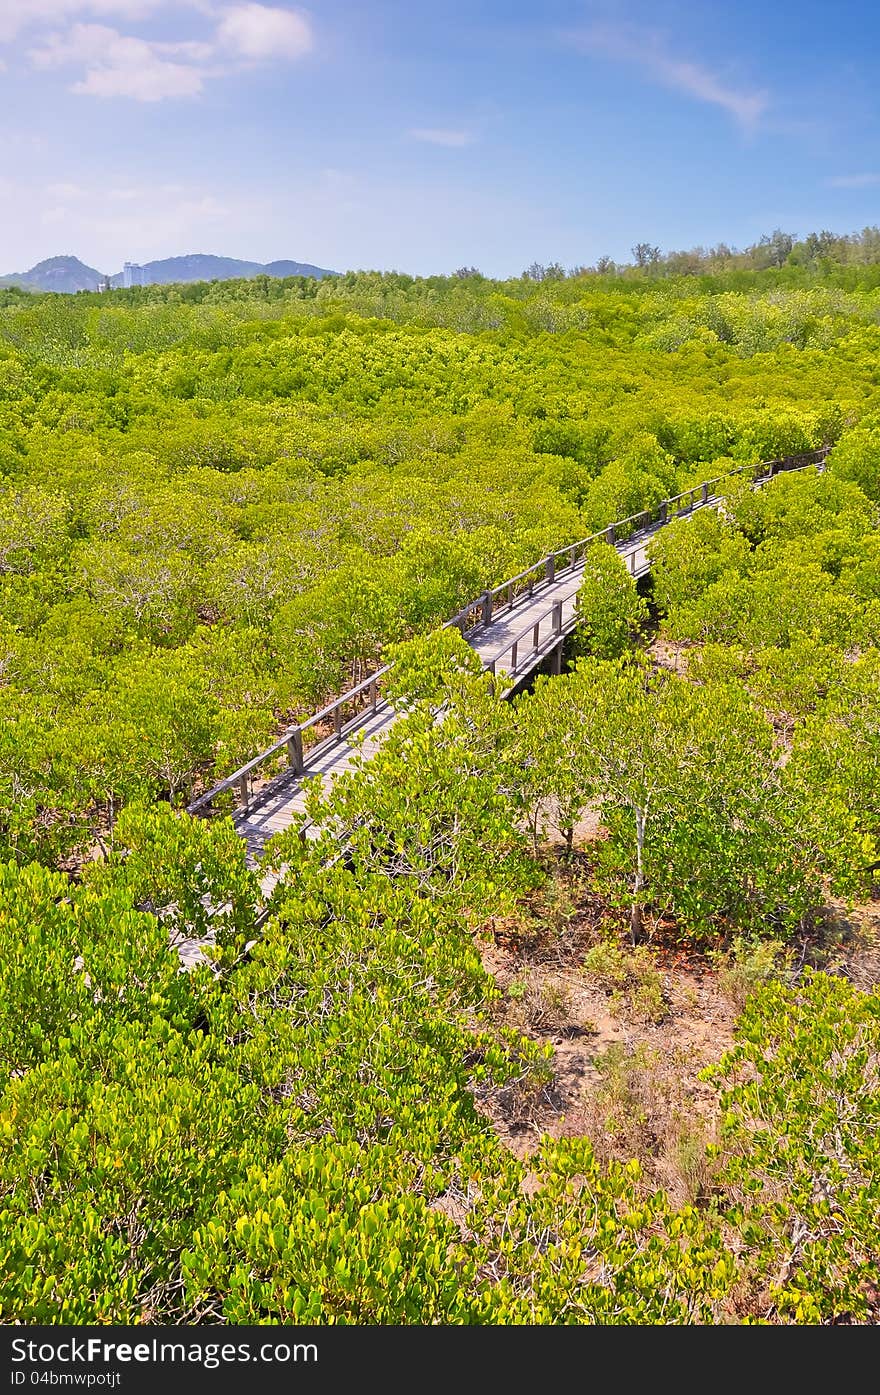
x=630 y=977
x=641 y=1107
x=631 y=1029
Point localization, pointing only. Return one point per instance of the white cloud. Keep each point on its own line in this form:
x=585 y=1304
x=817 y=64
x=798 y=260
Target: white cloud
x=114 y=64
x=17 y=15
x=442 y=136
x=648 y=51
x=853 y=181
x=150 y=81
x=119 y=66
x=256 y=32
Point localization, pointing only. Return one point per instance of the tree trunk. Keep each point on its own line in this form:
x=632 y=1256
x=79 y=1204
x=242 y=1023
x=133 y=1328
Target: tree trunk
x=636 y=929
x=635 y=916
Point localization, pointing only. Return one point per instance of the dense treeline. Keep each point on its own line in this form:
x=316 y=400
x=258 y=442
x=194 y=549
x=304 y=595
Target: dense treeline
x=216 y=511
x=823 y=252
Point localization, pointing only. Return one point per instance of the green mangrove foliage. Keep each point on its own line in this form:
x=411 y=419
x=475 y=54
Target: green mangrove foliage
x=219 y=506
x=290 y=1134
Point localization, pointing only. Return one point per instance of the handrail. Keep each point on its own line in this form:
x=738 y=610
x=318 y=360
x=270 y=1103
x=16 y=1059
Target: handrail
x=349 y=693
x=706 y=497
x=484 y=607
x=478 y=613
x=532 y=631
x=292 y=739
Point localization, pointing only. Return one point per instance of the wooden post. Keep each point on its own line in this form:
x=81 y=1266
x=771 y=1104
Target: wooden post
x=374 y=695
x=536 y=635
x=557 y=660
x=337 y=721
x=550 y=568
x=663 y=512
x=513 y=656
x=295 y=751
x=611 y=534
x=706 y=493
x=557 y=617
x=486 y=604
x=243 y=791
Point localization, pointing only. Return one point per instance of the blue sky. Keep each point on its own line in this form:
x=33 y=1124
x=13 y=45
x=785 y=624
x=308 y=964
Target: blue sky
x=422 y=136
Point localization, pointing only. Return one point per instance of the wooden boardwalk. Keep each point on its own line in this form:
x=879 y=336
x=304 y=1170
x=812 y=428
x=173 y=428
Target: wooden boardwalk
x=273 y=807
x=513 y=629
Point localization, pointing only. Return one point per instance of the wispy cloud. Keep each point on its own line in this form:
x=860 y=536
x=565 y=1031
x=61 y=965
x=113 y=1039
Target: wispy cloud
x=136 y=220
x=853 y=181
x=443 y=135
x=65 y=191
x=651 y=52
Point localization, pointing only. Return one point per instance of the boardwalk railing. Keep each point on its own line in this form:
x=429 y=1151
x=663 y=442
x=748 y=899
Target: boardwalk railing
x=362 y=700
x=545 y=573
x=352 y=708
x=542 y=636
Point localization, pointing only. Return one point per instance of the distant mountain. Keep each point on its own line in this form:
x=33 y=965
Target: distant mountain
x=197 y=267
x=66 y=274
x=295 y=269
x=69 y=274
